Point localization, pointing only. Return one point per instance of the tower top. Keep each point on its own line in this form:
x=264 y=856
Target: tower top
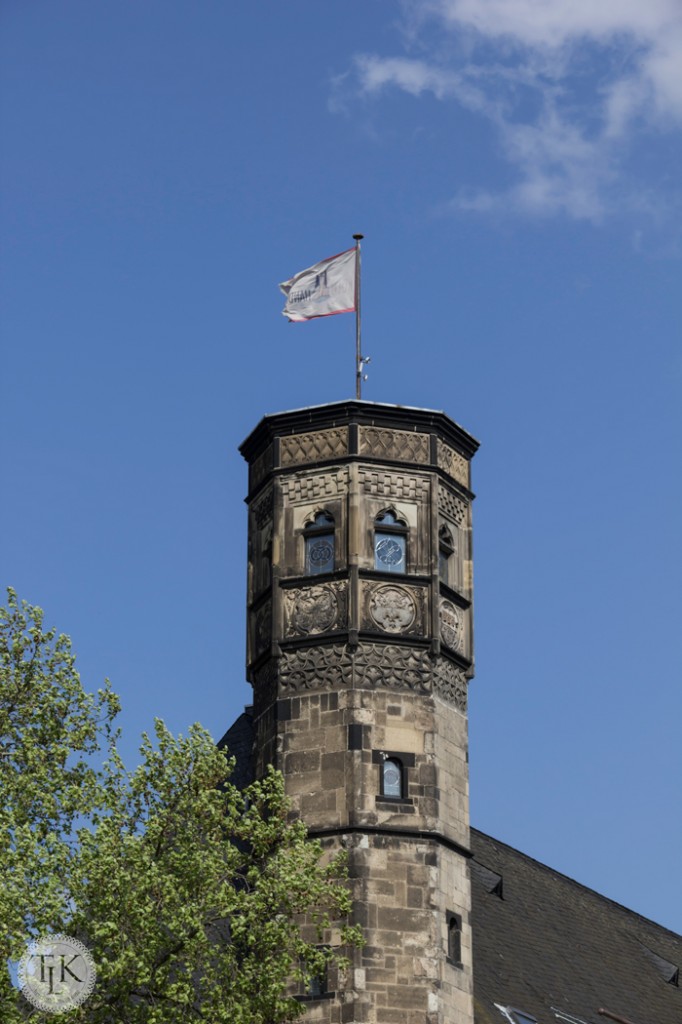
x=359 y=413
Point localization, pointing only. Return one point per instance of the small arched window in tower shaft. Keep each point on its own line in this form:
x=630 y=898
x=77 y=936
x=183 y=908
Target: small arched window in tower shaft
x=446 y=549
x=454 y=938
x=392 y=778
x=319 y=544
x=390 y=543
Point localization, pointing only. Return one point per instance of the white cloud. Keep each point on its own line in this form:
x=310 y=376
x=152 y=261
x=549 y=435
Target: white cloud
x=555 y=22
x=417 y=77
x=600 y=72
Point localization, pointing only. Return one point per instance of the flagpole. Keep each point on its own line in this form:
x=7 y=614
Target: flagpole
x=358 y=349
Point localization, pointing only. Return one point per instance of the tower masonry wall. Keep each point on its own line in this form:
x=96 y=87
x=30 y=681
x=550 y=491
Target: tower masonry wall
x=331 y=747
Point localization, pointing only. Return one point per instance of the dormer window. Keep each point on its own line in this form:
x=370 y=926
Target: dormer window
x=446 y=549
x=319 y=544
x=390 y=543
x=517 y=1016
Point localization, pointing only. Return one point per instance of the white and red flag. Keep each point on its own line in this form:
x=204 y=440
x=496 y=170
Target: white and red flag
x=322 y=290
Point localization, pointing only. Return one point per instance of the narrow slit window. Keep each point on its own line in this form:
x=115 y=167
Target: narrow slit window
x=319 y=545
x=390 y=543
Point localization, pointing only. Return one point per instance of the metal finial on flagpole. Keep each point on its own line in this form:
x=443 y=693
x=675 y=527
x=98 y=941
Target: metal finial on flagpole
x=360 y=361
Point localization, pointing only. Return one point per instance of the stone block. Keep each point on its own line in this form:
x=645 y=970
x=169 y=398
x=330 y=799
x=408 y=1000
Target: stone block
x=296 y=762
x=316 y=803
x=402 y=919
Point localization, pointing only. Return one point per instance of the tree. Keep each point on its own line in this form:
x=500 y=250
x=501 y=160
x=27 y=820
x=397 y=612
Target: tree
x=198 y=902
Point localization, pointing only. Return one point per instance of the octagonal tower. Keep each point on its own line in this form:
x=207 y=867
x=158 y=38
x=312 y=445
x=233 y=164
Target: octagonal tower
x=359 y=650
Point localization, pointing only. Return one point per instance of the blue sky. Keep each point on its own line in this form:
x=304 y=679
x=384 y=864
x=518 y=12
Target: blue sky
x=514 y=166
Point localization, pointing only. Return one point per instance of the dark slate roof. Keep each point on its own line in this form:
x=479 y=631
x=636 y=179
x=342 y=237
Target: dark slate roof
x=238 y=740
x=543 y=943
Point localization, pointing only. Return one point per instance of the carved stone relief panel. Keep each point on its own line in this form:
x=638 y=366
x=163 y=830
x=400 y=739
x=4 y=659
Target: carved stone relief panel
x=311 y=447
x=316 y=668
x=260 y=543
x=316 y=609
x=452 y=506
x=394 y=485
x=454 y=464
x=393 y=665
x=403 y=445
x=262 y=508
x=262 y=628
x=451 y=625
x=391 y=608
x=450 y=683
x=260 y=467
x=315 y=487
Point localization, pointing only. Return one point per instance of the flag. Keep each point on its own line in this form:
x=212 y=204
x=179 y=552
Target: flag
x=326 y=288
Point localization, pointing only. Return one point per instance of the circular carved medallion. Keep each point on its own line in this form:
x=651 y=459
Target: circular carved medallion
x=451 y=625
x=392 y=609
x=314 y=610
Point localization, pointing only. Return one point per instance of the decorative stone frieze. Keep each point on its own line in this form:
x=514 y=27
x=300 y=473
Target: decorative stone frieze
x=451 y=625
x=393 y=609
x=394 y=485
x=450 y=683
x=392 y=665
x=315 y=609
x=401 y=445
x=454 y=464
x=313 y=447
x=298 y=489
x=451 y=506
x=310 y=668
x=373 y=665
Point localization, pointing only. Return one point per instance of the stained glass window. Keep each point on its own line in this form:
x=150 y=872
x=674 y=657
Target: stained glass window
x=392 y=777
x=319 y=545
x=390 y=543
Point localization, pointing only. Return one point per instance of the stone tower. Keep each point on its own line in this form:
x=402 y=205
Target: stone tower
x=359 y=651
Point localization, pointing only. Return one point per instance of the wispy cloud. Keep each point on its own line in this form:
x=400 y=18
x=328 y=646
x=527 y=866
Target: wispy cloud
x=600 y=74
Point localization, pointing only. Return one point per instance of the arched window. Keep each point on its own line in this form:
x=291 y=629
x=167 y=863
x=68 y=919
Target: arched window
x=390 y=543
x=392 y=778
x=319 y=544
x=446 y=548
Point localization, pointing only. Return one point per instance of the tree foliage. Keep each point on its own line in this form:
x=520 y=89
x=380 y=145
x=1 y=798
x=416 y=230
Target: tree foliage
x=189 y=893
